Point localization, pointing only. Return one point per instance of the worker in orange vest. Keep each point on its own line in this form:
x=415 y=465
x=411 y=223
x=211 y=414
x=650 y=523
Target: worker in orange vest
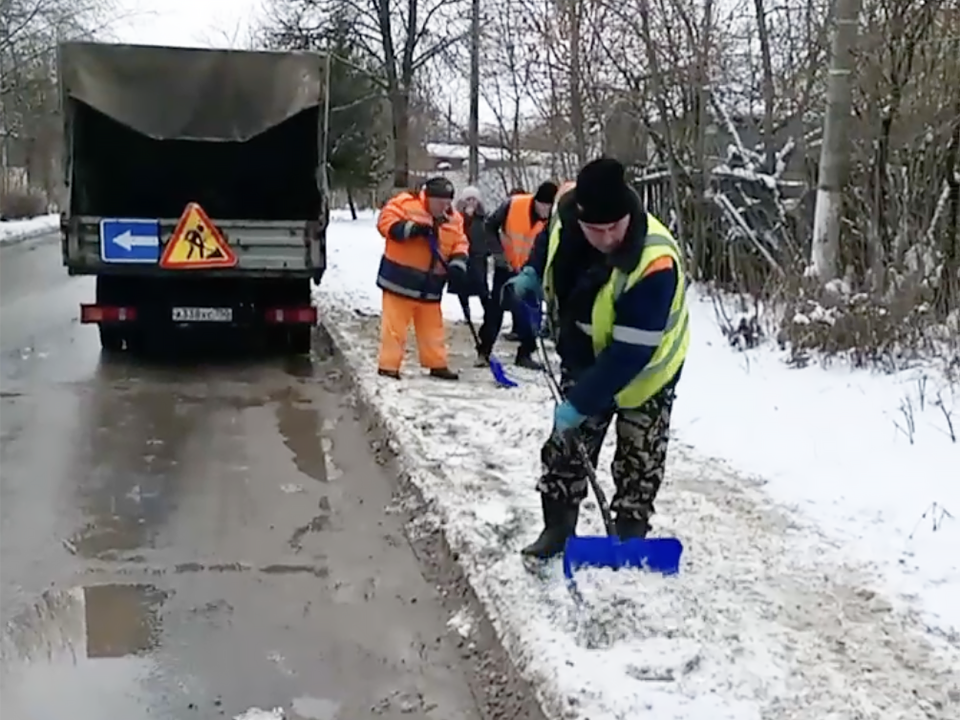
x=425 y=244
x=516 y=224
x=513 y=335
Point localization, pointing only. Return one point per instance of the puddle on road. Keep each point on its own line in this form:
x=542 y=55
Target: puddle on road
x=81 y=653
x=299 y=426
x=306 y=435
x=314 y=708
x=111 y=535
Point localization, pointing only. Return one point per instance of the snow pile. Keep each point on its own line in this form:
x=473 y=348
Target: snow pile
x=258 y=714
x=773 y=616
x=17 y=230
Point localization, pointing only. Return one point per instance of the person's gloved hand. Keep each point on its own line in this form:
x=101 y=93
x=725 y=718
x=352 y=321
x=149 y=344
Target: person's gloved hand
x=421 y=230
x=457 y=274
x=566 y=418
x=524 y=284
x=500 y=261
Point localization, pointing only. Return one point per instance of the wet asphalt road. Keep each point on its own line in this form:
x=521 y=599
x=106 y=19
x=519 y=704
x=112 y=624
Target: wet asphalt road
x=193 y=541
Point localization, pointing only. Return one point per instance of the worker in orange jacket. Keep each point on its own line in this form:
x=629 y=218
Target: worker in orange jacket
x=425 y=244
x=516 y=224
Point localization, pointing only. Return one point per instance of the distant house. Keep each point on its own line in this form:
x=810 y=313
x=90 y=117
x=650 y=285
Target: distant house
x=491 y=157
x=444 y=156
x=500 y=169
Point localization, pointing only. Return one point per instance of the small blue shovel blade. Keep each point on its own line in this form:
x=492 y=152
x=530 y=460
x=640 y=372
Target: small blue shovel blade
x=500 y=375
x=660 y=555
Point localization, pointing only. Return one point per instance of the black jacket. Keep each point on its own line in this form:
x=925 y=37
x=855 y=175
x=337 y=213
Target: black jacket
x=474 y=227
x=580 y=270
x=475 y=281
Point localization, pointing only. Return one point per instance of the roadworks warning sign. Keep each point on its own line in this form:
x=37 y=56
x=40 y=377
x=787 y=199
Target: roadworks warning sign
x=196 y=244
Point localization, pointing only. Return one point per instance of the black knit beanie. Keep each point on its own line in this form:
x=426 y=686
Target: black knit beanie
x=439 y=187
x=546 y=193
x=602 y=193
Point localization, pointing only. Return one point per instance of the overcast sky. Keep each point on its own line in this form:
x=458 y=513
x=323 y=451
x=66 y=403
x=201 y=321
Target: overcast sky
x=213 y=23
x=192 y=23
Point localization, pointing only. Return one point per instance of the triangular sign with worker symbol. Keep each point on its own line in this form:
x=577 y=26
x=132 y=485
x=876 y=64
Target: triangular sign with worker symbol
x=196 y=244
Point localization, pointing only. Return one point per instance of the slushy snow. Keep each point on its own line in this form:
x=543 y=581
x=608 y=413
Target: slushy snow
x=821 y=575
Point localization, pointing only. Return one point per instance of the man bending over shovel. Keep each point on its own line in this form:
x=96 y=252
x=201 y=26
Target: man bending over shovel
x=613 y=279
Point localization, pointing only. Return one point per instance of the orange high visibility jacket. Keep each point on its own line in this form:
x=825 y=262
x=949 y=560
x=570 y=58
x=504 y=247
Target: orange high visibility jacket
x=409 y=266
x=519 y=230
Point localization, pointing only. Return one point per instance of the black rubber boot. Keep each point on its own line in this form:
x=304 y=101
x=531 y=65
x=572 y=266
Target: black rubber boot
x=512 y=336
x=629 y=528
x=527 y=361
x=483 y=356
x=559 y=523
x=444 y=374
x=383 y=372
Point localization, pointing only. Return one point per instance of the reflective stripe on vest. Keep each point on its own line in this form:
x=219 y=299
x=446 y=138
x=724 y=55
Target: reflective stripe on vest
x=671 y=344
x=518 y=233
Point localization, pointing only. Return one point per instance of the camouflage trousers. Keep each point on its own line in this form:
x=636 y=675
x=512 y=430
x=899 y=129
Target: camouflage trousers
x=638 y=463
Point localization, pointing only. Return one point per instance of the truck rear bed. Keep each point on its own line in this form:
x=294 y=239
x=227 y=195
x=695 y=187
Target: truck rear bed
x=151 y=129
x=231 y=142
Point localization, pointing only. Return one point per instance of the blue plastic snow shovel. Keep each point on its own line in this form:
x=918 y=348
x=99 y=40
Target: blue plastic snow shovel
x=661 y=555
x=496 y=367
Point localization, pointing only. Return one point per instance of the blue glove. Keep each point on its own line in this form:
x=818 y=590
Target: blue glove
x=566 y=418
x=523 y=284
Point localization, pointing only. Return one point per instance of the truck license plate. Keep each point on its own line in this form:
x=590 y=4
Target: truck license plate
x=202 y=314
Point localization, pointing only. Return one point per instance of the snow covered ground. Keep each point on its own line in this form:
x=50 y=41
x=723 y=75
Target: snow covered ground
x=16 y=230
x=820 y=511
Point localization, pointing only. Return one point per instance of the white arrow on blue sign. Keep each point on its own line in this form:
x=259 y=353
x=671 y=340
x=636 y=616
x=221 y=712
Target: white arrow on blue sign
x=131 y=240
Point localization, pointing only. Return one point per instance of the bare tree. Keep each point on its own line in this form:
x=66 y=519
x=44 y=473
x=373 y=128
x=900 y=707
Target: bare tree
x=403 y=37
x=29 y=113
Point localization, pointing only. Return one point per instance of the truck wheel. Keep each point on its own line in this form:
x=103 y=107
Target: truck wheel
x=298 y=340
x=111 y=338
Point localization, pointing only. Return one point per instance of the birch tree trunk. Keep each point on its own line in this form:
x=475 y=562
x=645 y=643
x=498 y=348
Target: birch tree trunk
x=835 y=149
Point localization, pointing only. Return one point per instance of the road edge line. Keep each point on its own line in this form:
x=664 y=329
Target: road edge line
x=412 y=483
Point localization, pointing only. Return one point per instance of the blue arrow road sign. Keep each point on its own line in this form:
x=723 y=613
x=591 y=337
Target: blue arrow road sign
x=129 y=240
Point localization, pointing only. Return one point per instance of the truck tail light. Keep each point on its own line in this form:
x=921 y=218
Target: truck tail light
x=107 y=313
x=292 y=316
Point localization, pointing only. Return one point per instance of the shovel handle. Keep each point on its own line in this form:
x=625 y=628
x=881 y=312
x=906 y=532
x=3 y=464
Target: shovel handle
x=594 y=485
x=574 y=442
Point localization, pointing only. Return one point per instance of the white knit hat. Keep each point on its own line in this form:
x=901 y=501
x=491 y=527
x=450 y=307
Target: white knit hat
x=470 y=191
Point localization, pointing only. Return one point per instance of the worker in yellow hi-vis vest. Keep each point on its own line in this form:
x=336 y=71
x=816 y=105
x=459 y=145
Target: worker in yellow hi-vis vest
x=612 y=276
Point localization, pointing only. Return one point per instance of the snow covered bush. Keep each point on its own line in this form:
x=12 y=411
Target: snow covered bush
x=21 y=204
x=886 y=332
